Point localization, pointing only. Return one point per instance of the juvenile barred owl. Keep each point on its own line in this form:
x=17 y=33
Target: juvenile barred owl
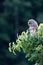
x=33 y=27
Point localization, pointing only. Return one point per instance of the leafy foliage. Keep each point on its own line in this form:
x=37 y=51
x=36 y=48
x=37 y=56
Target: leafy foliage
x=31 y=46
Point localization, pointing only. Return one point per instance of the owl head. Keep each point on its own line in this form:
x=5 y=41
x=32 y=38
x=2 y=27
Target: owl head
x=32 y=23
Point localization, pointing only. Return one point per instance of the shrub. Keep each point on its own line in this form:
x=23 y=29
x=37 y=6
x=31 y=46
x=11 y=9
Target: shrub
x=32 y=46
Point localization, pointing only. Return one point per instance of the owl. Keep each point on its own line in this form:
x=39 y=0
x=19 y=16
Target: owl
x=33 y=27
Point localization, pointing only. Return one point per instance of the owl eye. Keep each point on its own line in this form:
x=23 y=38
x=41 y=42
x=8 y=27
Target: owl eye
x=29 y=22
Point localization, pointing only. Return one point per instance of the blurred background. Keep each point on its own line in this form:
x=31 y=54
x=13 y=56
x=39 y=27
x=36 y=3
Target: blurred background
x=14 y=15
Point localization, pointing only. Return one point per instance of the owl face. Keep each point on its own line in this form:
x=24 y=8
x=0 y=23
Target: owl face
x=31 y=22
